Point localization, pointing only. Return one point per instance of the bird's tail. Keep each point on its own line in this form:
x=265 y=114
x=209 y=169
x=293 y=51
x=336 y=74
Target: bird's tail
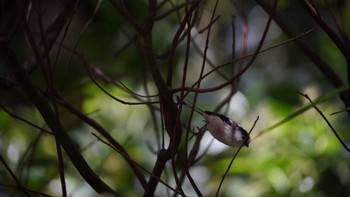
x=190 y=105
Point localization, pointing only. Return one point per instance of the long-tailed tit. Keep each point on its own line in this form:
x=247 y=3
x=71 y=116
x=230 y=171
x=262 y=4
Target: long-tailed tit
x=223 y=128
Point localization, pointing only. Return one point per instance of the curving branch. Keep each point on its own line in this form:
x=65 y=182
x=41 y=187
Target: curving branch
x=325 y=68
x=326 y=120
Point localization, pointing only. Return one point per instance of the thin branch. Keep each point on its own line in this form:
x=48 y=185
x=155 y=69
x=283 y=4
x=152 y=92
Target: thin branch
x=242 y=71
x=37 y=53
x=167 y=105
x=319 y=100
x=174 y=9
x=234 y=157
x=117 y=99
x=29 y=190
x=18 y=182
x=61 y=168
x=25 y=121
x=179 y=179
x=46 y=111
x=137 y=94
x=83 y=30
x=103 y=132
x=344 y=110
x=313 y=12
x=341 y=45
x=192 y=89
x=176 y=40
x=96 y=71
x=301 y=43
x=328 y=123
x=135 y=163
x=69 y=20
x=205 y=52
x=122 y=9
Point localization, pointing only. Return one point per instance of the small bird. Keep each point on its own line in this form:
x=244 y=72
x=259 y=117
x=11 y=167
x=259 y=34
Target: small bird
x=223 y=128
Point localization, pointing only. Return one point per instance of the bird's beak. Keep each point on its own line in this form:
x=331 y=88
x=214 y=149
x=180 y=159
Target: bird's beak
x=247 y=141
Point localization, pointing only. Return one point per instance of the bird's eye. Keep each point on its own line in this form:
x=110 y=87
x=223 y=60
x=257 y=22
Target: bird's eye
x=228 y=122
x=243 y=131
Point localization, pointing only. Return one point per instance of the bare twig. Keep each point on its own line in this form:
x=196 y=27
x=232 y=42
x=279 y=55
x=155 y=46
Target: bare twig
x=103 y=132
x=234 y=157
x=61 y=168
x=328 y=123
x=205 y=52
x=46 y=111
x=18 y=182
x=325 y=68
x=344 y=110
x=314 y=13
x=117 y=99
x=134 y=162
x=29 y=190
x=242 y=71
x=24 y=120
